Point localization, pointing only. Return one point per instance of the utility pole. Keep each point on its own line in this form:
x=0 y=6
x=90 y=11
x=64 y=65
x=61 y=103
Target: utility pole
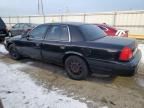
x=40 y=7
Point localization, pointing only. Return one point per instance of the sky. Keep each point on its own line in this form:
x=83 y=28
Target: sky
x=30 y=7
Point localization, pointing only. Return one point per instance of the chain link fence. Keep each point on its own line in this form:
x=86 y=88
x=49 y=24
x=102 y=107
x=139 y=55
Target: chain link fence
x=129 y=20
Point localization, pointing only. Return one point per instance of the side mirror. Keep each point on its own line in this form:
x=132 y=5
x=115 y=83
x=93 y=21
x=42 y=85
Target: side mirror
x=27 y=37
x=26 y=34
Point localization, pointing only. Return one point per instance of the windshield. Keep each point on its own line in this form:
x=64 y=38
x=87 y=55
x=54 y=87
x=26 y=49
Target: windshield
x=92 y=32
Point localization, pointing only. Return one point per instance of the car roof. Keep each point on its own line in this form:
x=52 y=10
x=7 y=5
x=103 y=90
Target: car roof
x=24 y=23
x=32 y=24
x=67 y=23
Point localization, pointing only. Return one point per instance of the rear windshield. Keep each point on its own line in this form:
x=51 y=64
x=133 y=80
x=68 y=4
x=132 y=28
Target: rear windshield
x=2 y=24
x=92 y=32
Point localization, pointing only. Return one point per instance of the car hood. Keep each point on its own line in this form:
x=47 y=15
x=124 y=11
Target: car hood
x=16 y=37
x=13 y=38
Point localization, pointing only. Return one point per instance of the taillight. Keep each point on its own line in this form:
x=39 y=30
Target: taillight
x=125 y=34
x=126 y=54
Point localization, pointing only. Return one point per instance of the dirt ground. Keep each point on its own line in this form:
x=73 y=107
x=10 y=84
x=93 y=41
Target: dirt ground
x=32 y=84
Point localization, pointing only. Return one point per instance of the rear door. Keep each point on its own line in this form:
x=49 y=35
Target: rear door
x=55 y=43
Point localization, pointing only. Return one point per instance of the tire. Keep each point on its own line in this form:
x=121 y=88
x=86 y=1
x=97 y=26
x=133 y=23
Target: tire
x=76 y=68
x=13 y=52
x=2 y=39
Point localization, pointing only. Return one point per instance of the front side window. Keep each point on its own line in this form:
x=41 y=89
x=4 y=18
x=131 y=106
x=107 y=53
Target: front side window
x=21 y=26
x=58 y=33
x=38 y=32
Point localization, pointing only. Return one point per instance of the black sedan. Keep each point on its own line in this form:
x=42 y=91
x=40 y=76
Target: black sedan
x=81 y=48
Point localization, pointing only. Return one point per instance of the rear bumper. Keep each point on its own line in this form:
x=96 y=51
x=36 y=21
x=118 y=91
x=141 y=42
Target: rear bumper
x=115 y=68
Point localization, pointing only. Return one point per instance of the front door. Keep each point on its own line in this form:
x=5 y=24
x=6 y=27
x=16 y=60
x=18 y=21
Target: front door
x=55 y=43
x=31 y=46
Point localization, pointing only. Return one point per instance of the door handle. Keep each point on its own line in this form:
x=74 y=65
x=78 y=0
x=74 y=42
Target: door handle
x=37 y=44
x=62 y=47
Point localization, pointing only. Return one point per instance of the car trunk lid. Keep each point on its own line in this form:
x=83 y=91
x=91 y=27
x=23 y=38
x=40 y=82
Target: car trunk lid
x=114 y=45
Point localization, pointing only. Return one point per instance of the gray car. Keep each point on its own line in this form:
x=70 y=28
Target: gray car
x=20 y=28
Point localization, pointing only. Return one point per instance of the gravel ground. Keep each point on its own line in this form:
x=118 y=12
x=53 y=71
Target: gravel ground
x=33 y=84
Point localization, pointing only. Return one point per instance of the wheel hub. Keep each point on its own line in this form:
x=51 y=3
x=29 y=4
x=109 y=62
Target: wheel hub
x=75 y=67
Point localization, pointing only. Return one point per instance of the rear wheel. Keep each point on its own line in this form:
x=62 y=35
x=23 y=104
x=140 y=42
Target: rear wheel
x=13 y=52
x=76 y=68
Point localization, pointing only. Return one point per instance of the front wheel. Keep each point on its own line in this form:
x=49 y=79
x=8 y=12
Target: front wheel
x=76 y=68
x=13 y=52
x=1 y=39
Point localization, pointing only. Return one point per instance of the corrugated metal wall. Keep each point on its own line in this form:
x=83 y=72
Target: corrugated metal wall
x=130 y=20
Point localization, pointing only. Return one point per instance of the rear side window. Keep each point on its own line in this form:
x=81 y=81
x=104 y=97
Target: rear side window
x=91 y=32
x=57 y=33
x=21 y=26
x=16 y=26
x=27 y=26
x=75 y=33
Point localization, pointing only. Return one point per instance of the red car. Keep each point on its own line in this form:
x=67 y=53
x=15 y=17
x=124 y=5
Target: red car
x=111 y=31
